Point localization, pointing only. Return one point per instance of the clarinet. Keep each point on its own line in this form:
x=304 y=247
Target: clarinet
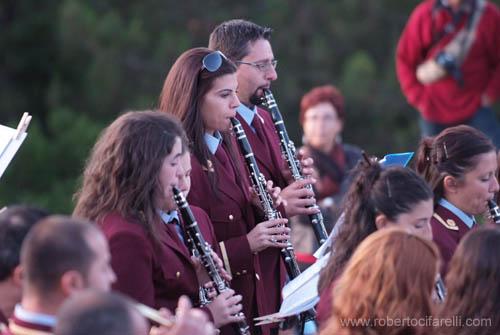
x=290 y=155
x=259 y=185
x=203 y=250
x=494 y=212
x=440 y=289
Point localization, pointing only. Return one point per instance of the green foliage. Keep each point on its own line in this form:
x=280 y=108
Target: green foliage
x=75 y=65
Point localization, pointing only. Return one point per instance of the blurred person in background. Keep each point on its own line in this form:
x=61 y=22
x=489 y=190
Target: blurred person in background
x=15 y=223
x=110 y=313
x=322 y=117
x=59 y=257
x=448 y=64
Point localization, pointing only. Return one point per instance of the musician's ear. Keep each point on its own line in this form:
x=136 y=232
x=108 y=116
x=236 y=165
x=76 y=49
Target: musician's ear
x=381 y=221
x=450 y=184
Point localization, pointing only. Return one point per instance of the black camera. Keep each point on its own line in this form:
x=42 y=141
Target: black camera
x=449 y=63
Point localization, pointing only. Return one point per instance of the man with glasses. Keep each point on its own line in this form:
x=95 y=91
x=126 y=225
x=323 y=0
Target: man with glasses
x=248 y=46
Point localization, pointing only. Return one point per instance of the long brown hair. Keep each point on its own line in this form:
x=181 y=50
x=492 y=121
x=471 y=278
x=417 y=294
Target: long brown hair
x=453 y=152
x=392 y=192
x=184 y=88
x=473 y=284
x=390 y=277
x=122 y=173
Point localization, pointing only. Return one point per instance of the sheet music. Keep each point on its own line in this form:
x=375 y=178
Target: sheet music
x=11 y=140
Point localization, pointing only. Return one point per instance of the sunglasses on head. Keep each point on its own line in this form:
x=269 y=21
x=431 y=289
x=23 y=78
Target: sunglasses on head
x=213 y=61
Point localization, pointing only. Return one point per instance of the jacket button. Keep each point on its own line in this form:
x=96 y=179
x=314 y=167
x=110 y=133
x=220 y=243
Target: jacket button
x=238 y=274
x=177 y=274
x=257 y=276
x=231 y=217
x=244 y=271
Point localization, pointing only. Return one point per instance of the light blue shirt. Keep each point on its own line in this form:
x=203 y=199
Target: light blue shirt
x=213 y=141
x=247 y=114
x=167 y=217
x=466 y=218
x=36 y=318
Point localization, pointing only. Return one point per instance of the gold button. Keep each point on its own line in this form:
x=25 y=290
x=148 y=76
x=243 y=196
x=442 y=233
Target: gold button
x=231 y=217
x=257 y=275
x=177 y=274
x=238 y=274
x=244 y=271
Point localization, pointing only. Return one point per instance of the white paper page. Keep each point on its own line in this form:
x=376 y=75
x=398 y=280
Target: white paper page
x=8 y=146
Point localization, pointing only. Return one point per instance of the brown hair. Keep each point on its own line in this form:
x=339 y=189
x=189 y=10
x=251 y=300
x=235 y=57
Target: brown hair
x=184 y=88
x=122 y=173
x=392 y=192
x=390 y=276
x=453 y=152
x=327 y=93
x=473 y=283
x=233 y=37
x=55 y=245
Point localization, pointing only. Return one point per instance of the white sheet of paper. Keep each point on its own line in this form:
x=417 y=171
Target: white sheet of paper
x=8 y=146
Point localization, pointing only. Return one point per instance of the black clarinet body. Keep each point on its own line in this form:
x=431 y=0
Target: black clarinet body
x=289 y=153
x=440 y=289
x=494 y=212
x=201 y=248
x=259 y=185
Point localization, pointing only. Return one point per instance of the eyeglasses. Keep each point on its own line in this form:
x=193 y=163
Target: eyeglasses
x=264 y=66
x=212 y=61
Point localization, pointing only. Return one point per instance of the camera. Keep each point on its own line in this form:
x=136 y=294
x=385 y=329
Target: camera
x=449 y=63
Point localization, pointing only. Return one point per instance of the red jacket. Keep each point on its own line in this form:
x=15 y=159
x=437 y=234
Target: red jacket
x=156 y=277
x=444 y=101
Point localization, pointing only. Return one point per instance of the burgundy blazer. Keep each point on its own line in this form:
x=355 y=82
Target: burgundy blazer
x=3 y=319
x=258 y=278
x=154 y=275
x=447 y=231
x=22 y=327
x=266 y=147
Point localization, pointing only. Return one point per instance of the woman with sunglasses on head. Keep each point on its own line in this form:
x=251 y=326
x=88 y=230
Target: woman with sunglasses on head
x=377 y=198
x=386 y=287
x=200 y=89
x=473 y=283
x=127 y=191
x=460 y=164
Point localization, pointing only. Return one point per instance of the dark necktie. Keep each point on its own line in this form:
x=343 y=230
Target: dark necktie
x=178 y=229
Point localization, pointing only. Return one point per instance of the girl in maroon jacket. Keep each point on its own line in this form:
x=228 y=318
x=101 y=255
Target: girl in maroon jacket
x=200 y=89
x=127 y=190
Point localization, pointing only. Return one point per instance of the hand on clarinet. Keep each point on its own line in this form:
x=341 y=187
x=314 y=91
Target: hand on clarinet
x=201 y=273
x=274 y=192
x=188 y=321
x=225 y=307
x=297 y=198
x=307 y=163
x=269 y=234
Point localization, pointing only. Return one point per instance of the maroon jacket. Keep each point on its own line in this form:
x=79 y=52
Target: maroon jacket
x=447 y=231
x=155 y=276
x=3 y=319
x=258 y=279
x=266 y=147
x=22 y=327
